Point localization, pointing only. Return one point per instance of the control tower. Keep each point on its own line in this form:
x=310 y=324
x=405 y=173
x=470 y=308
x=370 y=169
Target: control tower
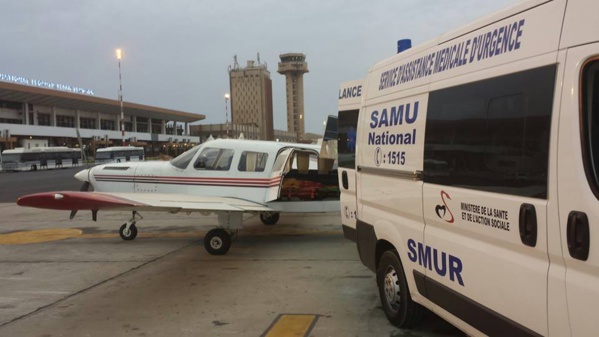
x=294 y=66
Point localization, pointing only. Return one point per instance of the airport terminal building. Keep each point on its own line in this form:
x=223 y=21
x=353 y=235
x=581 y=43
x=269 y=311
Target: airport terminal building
x=29 y=112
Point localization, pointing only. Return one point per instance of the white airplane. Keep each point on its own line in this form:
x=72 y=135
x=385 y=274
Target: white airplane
x=224 y=176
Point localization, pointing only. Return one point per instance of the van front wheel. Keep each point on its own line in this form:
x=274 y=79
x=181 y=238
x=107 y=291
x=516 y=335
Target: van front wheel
x=394 y=293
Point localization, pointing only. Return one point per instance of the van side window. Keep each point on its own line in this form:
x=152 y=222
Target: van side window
x=252 y=161
x=346 y=138
x=492 y=135
x=590 y=123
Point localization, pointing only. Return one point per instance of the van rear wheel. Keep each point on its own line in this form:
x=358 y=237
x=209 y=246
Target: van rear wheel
x=394 y=293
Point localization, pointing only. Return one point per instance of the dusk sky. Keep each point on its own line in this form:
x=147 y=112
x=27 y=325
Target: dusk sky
x=176 y=53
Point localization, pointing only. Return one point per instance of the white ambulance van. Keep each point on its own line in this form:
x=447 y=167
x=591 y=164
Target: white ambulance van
x=477 y=174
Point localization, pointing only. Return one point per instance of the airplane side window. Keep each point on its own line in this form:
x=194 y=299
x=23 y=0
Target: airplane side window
x=225 y=158
x=590 y=123
x=252 y=161
x=207 y=159
x=183 y=160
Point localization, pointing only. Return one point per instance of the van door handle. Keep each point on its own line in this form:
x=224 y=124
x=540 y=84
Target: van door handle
x=578 y=235
x=344 y=180
x=528 y=225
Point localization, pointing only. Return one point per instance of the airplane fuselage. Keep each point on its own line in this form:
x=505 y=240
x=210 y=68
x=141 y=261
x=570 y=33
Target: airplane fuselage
x=249 y=170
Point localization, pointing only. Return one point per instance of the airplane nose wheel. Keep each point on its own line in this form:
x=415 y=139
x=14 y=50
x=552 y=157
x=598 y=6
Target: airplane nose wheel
x=128 y=234
x=217 y=241
x=269 y=218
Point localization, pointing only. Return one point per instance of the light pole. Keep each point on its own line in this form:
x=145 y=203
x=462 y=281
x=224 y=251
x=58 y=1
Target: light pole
x=119 y=55
x=227 y=96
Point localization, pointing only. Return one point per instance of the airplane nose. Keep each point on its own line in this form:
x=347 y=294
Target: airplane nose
x=82 y=175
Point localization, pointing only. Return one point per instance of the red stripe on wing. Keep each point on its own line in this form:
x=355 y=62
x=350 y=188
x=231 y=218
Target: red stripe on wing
x=71 y=201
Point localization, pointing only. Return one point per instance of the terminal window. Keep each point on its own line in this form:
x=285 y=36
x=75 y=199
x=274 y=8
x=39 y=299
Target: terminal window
x=43 y=119
x=65 y=121
x=87 y=123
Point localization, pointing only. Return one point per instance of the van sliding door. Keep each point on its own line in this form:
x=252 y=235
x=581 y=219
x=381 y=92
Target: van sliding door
x=486 y=164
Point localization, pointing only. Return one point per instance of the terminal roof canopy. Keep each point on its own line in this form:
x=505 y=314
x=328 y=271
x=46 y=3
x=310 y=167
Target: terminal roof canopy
x=62 y=99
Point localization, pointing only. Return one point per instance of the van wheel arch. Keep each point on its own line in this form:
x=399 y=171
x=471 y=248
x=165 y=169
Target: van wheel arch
x=381 y=247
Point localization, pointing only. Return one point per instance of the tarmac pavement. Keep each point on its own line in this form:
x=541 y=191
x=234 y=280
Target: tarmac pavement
x=61 y=277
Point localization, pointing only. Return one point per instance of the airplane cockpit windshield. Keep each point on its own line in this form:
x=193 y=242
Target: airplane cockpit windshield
x=183 y=160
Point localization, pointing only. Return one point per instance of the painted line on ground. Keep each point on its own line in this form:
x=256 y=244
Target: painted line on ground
x=39 y=236
x=291 y=325
x=56 y=234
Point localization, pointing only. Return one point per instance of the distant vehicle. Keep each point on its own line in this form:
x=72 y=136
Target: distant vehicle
x=117 y=154
x=22 y=159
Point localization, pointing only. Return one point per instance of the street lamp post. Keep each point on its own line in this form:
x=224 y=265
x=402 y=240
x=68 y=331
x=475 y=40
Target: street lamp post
x=227 y=96
x=119 y=55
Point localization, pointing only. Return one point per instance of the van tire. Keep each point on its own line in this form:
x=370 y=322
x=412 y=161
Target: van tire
x=397 y=303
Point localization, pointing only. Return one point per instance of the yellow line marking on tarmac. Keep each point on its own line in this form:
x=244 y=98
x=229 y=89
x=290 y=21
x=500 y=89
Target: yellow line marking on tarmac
x=146 y=235
x=288 y=325
x=38 y=236
x=56 y=234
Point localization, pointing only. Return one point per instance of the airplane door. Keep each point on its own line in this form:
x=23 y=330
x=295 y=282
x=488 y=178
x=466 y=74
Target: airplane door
x=280 y=166
x=578 y=186
x=346 y=154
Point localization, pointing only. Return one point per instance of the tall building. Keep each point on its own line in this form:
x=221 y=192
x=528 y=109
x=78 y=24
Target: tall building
x=294 y=66
x=251 y=97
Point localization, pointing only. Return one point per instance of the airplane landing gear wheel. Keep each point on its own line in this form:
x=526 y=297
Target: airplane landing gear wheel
x=269 y=218
x=217 y=241
x=128 y=234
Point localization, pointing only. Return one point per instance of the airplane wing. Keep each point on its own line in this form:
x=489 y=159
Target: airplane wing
x=74 y=201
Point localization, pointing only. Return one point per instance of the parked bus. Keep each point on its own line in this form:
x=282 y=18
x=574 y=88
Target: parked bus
x=476 y=174
x=117 y=154
x=22 y=159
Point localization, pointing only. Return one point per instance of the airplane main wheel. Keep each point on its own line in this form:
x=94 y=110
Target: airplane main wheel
x=128 y=234
x=269 y=218
x=217 y=241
